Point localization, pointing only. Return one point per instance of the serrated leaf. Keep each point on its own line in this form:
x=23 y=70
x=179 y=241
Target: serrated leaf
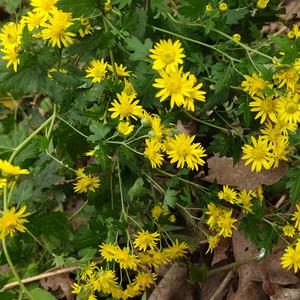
x=170 y=198
x=137 y=189
x=222 y=75
x=140 y=50
x=235 y=15
x=294 y=184
x=82 y=8
x=122 y=3
x=100 y=131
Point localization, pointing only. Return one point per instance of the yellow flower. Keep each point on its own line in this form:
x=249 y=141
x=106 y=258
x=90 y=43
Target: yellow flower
x=195 y=93
x=172 y=218
x=125 y=259
x=125 y=108
x=173 y=84
x=35 y=20
x=271 y=133
x=223 y=7
x=176 y=250
x=50 y=71
x=158 y=258
x=132 y=290
x=86 y=27
x=12 y=55
x=225 y=223
x=295 y=32
x=97 y=70
x=236 y=37
x=288 y=108
x=11 y=34
x=289 y=78
x=13 y=220
x=183 y=151
x=153 y=152
x=76 y=288
x=167 y=55
x=260 y=194
x=265 y=106
x=214 y=213
x=120 y=69
x=88 y=272
x=157 y=211
x=90 y=153
x=108 y=251
x=3 y=182
x=125 y=128
x=261 y=4
x=259 y=154
x=105 y=280
x=228 y=194
x=279 y=151
x=288 y=230
x=208 y=8
x=9 y=170
x=107 y=6
x=157 y=127
x=43 y=6
x=56 y=30
x=129 y=88
x=86 y=183
x=296 y=217
x=244 y=198
x=254 y=84
x=144 y=280
x=144 y=239
x=213 y=242
x=291 y=258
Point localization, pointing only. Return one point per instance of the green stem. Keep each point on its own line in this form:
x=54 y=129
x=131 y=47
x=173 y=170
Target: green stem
x=39 y=242
x=28 y=139
x=121 y=191
x=48 y=134
x=125 y=145
x=13 y=269
x=238 y=263
x=197 y=42
x=71 y=126
x=202 y=188
x=78 y=211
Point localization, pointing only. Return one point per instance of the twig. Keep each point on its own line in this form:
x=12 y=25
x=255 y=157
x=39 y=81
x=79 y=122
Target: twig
x=39 y=277
x=222 y=287
x=280 y=201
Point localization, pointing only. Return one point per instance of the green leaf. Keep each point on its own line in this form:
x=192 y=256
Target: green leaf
x=234 y=16
x=137 y=189
x=170 y=198
x=160 y=6
x=122 y=3
x=84 y=8
x=140 y=50
x=294 y=184
x=222 y=74
x=99 y=130
x=39 y=294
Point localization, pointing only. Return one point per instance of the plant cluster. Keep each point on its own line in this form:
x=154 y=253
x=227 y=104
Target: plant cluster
x=110 y=111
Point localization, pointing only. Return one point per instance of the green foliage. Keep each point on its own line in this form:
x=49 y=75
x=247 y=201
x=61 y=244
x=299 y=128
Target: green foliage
x=293 y=184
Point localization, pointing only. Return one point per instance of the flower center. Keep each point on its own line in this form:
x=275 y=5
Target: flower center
x=168 y=57
x=258 y=153
x=291 y=108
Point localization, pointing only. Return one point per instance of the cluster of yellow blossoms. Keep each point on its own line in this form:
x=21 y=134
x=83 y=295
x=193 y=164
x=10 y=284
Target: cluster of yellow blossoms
x=45 y=21
x=11 y=220
x=220 y=218
x=85 y=183
x=140 y=260
x=292 y=253
x=277 y=106
x=158 y=212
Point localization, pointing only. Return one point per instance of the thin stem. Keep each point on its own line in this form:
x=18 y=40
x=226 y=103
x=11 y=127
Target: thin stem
x=49 y=131
x=13 y=269
x=60 y=162
x=121 y=191
x=78 y=211
x=39 y=242
x=71 y=126
x=125 y=145
x=28 y=139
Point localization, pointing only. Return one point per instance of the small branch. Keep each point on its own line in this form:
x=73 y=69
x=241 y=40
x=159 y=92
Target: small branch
x=39 y=277
x=218 y=293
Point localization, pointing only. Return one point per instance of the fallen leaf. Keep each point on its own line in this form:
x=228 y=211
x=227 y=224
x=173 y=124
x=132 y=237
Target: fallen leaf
x=174 y=285
x=224 y=172
x=220 y=251
x=286 y=294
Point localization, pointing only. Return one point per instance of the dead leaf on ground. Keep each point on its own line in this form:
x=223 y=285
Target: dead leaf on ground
x=286 y=294
x=174 y=285
x=224 y=172
x=60 y=284
x=220 y=251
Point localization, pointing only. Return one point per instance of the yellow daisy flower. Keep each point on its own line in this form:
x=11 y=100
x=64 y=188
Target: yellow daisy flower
x=56 y=30
x=35 y=20
x=9 y=170
x=289 y=78
x=12 y=221
x=157 y=211
x=183 y=151
x=86 y=183
x=108 y=251
x=43 y=6
x=259 y=154
x=167 y=55
x=97 y=70
x=176 y=250
x=279 y=151
x=12 y=55
x=125 y=128
x=296 y=217
x=214 y=213
x=288 y=109
x=145 y=280
x=11 y=34
x=225 y=223
x=126 y=107
x=125 y=259
x=213 y=242
x=120 y=69
x=105 y=280
x=153 y=152
x=158 y=258
x=173 y=84
x=144 y=239
x=291 y=258
x=288 y=230
x=254 y=84
x=228 y=194
x=261 y=4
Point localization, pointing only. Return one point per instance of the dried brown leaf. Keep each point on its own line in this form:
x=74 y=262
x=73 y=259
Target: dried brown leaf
x=224 y=172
